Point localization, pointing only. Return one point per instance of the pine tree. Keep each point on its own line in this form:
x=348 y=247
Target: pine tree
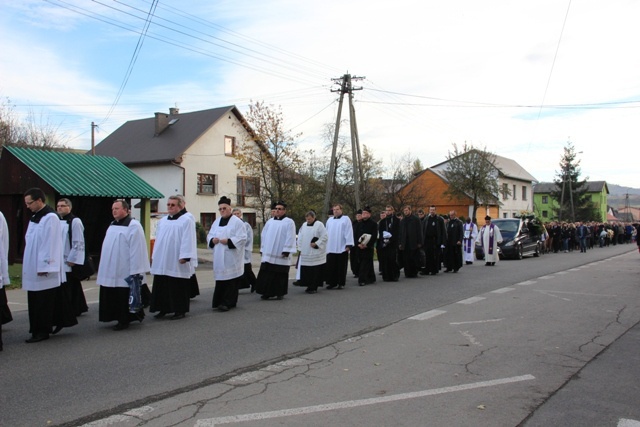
x=574 y=204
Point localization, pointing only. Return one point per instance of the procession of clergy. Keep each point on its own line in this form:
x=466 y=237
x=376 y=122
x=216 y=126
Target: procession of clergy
x=55 y=261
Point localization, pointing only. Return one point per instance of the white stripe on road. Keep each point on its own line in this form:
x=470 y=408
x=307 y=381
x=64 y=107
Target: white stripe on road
x=502 y=291
x=471 y=300
x=211 y=422
x=475 y=322
x=628 y=423
x=427 y=315
x=528 y=282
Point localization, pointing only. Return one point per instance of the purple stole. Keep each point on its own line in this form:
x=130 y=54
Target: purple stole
x=467 y=243
x=490 y=250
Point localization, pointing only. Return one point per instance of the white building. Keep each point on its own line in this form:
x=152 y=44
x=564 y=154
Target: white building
x=190 y=154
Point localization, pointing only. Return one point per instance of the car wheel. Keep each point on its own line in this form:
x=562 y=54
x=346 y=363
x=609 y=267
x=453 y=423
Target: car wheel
x=519 y=252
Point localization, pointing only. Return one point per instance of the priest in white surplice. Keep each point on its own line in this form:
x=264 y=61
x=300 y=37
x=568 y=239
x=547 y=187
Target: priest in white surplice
x=278 y=242
x=174 y=261
x=42 y=271
x=124 y=257
x=5 y=313
x=470 y=234
x=227 y=238
x=339 y=244
x=490 y=237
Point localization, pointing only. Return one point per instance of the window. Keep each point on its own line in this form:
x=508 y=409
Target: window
x=250 y=218
x=545 y=200
x=505 y=214
x=545 y=214
x=207 y=184
x=229 y=145
x=247 y=187
x=514 y=192
x=505 y=191
x=207 y=219
x=524 y=192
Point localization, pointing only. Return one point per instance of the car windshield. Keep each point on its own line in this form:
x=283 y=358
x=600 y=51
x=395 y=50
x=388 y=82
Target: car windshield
x=508 y=227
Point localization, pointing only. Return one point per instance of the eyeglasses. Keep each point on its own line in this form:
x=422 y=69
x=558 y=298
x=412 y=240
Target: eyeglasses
x=172 y=204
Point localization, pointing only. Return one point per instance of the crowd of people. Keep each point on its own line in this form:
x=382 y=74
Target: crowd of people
x=55 y=260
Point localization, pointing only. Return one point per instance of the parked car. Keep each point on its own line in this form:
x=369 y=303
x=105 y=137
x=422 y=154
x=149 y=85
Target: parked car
x=520 y=237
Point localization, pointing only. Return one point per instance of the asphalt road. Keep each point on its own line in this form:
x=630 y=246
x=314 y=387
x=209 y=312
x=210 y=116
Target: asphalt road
x=551 y=318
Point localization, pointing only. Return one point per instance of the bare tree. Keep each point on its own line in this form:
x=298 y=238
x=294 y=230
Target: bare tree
x=472 y=173
x=270 y=155
x=398 y=193
x=31 y=132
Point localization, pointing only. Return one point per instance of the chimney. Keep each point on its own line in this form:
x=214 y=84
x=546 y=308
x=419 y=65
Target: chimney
x=173 y=111
x=162 y=122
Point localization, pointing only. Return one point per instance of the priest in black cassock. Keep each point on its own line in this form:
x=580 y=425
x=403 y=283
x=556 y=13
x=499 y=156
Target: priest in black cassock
x=278 y=242
x=227 y=238
x=124 y=261
x=388 y=237
x=174 y=261
x=42 y=270
x=410 y=242
x=5 y=313
x=435 y=235
x=367 y=234
x=453 y=249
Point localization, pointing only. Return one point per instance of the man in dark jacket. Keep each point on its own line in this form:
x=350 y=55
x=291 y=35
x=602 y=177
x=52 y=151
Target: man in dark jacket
x=388 y=238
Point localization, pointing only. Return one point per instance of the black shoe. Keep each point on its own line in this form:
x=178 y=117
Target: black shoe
x=361 y=284
x=297 y=283
x=177 y=316
x=341 y=287
x=37 y=338
x=487 y=263
x=220 y=308
x=121 y=326
x=455 y=271
x=280 y=297
x=331 y=286
x=309 y=291
x=264 y=297
x=447 y=271
x=160 y=315
x=56 y=330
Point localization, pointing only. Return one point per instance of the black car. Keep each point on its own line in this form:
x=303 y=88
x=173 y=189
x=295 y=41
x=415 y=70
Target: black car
x=520 y=237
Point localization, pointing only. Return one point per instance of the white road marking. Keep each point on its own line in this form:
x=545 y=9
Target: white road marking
x=528 y=282
x=546 y=277
x=502 y=291
x=576 y=293
x=427 y=315
x=211 y=422
x=475 y=322
x=471 y=300
x=628 y=423
x=550 y=294
x=471 y=338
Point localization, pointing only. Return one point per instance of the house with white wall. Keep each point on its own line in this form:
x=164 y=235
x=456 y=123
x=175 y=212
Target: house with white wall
x=515 y=183
x=190 y=154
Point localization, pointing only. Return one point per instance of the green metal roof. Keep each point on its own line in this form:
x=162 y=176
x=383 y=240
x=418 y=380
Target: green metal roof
x=72 y=174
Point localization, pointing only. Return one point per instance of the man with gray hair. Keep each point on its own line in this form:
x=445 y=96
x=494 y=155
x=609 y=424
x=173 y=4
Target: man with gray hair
x=249 y=277
x=174 y=261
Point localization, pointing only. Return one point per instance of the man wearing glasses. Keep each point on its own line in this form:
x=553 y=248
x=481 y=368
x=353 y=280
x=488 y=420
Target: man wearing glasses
x=227 y=238
x=42 y=271
x=278 y=242
x=123 y=263
x=174 y=261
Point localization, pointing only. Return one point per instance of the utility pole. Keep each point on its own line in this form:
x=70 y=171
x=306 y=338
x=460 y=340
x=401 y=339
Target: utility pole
x=93 y=138
x=346 y=86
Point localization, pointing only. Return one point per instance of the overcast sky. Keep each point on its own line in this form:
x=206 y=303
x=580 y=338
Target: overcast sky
x=520 y=78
